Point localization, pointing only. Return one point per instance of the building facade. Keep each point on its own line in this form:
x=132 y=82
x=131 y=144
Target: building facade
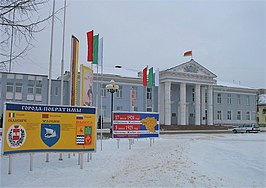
x=261 y=110
x=188 y=94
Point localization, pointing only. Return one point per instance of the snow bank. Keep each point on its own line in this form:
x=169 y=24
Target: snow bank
x=190 y=160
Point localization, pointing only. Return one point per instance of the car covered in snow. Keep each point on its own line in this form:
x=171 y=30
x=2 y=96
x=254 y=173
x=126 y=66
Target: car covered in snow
x=246 y=128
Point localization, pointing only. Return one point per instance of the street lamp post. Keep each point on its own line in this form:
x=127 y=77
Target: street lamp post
x=112 y=88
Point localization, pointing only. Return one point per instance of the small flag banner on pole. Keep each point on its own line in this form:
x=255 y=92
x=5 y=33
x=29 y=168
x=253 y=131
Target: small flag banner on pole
x=156 y=82
x=95 y=49
x=151 y=79
x=90 y=45
x=188 y=53
x=100 y=52
x=74 y=70
x=144 y=76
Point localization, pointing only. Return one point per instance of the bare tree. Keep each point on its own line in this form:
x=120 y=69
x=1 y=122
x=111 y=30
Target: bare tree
x=20 y=20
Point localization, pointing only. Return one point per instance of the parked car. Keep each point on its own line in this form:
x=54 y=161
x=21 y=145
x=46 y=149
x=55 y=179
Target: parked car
x=246 y=128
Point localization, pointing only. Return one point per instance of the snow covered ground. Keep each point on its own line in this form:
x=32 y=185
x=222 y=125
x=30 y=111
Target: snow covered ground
x=188 y=160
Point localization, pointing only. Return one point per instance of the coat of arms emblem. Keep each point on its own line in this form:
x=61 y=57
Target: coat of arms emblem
x=50 y=134
x=16 y=136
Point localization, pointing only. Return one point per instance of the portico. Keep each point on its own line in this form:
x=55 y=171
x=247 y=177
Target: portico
x=186 y=95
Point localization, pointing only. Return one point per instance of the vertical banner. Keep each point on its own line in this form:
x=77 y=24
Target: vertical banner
x=90 y=45
x=45 y=128
x=151 y=79
x=86 y=86
x=74 y=70
x=144 y=76
x=156 y=81
x=95 y=49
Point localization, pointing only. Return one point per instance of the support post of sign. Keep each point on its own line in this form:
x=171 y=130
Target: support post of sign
x=130 y=143
x=81 y=161
x=88 y=157
x=153 y=140
x=60 y=157
x=69 y=155
x=31 y=161
x=150 y=142
x=9 y=164
x=118 y=143
x=47 y=157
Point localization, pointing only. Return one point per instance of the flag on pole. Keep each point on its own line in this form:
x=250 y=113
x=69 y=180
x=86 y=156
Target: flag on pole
x=156 y=77
x=144 y=76
x=100 y=52
x=188 y=53
x=90 y=45
x=151 y=79
x=95 y=49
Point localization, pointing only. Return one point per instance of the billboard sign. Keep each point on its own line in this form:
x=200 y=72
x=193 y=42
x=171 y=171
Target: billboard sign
x=135 y=125
x=86 y=86
x=41 y=128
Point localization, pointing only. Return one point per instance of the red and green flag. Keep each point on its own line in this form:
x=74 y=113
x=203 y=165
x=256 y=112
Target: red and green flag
x=188 y=53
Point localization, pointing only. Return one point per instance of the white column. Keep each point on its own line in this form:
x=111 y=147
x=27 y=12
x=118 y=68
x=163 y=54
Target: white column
x=167 y=103
x=210 y=105
x=183 y=105
x=161 y=102
x=197 y=104
x=203 y=90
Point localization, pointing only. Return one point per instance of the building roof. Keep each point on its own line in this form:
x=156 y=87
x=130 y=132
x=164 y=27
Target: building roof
x=228 y=84
x=118 y=71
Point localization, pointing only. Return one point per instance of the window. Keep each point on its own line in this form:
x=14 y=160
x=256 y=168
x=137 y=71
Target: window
x=18 y=87
x=247 y=100
x=56 y=91
x=103 y=91
x=229 y=99
x=19 y=77
x=119 y=108
x=9 y=87
x=206 y=98
x=135 y=108
x=247 y=115
x=38 y=88
x=149 y=94
x=10 y=76
x=238 y=115
x=30 y=89
x=219 y=115
x=149 y=109
x=193 y=94
x=229 y=115
x=30 y=77
x=119 y=92
x=219 y=98
x=238 y=99
x=264 y=110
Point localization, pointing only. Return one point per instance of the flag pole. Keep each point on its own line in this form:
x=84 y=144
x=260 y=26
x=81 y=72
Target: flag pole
x=62 y=64
x=101 y=105
x=50 y=66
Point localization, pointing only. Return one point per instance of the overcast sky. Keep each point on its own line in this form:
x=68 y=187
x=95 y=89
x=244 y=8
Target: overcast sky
x=226 y=37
